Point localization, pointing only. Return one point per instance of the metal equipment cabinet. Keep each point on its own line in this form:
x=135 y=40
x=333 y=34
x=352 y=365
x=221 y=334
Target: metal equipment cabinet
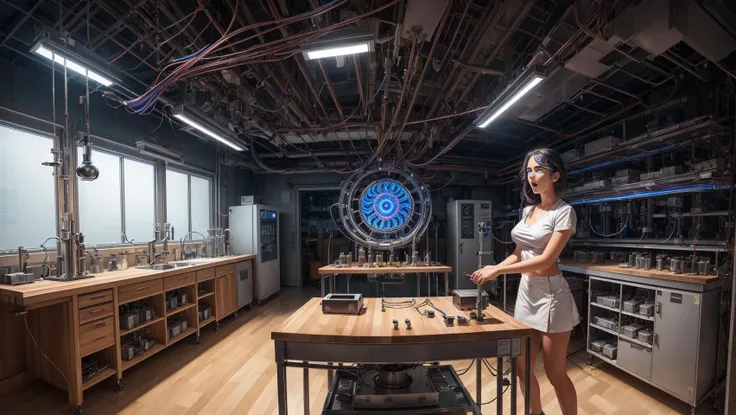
x=682 y=358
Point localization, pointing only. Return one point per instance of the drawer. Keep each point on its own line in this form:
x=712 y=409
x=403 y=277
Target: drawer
x=96 y=335
x=225 y=269
x=95 y=312
x=176 y=281
x=206 y=274
x=98 y=297
x=140 y=289
x=636 y=359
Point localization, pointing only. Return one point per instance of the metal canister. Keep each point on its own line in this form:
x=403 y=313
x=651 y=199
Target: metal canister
x=647 y=263
x=632 y=260
x=660 y=263
x=674 y=261
x=679 y=266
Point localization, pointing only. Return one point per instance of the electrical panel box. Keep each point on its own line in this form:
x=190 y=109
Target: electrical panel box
x=463 y=241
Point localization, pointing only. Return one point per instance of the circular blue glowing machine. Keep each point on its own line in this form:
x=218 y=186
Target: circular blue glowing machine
x=383 y=208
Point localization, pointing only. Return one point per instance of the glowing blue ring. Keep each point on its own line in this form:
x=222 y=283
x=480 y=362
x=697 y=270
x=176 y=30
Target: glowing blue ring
x=386 y=205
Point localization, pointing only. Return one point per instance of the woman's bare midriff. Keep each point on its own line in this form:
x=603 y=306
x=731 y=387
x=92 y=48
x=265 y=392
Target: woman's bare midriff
x=549 y=272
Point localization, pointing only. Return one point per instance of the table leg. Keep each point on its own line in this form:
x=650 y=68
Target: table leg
x=322 y=285
x=513 y=385
x=436 y=284
x=419 y=284
x=499 y=385
x=527 y=376
x=281 y=377
x=348 y=283
x=330 y=373
x=447 y=284
x=306 y=390
x=333 y=277
x=504 y=293
x=478 y=380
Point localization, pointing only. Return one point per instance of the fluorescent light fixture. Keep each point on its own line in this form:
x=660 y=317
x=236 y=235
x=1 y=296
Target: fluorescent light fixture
x=339 y=51
x=159 y=152
x=62 y=57
x=341 y=42
x=525 y=83
x=207 y=126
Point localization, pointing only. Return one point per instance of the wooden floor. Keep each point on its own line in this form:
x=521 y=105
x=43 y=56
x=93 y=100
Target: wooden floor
x=233 y=372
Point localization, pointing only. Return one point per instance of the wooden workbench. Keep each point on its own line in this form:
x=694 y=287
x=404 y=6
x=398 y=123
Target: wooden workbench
x=651 y=273
x=332 y=271
x=72 y=320
x=369 y=337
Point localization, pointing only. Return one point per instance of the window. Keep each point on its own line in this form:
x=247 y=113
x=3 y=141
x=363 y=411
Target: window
x=100 y=212
x=101 y=201
x=188 y=203
x=140 y=200
x=26 y=190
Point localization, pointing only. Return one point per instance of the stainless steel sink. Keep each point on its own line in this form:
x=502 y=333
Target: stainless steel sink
x=162 y=267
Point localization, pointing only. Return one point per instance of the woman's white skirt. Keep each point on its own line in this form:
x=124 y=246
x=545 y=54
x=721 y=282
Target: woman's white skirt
x=546 y=304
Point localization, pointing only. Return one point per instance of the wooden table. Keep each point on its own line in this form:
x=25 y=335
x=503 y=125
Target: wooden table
x=689 y=278
x=308 y=335
x=332 y=271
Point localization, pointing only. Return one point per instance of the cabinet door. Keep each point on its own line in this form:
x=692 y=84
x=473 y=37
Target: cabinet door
x=222 y=294
x=676 y=342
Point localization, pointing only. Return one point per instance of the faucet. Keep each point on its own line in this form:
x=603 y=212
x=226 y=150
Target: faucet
x=181 y=244
x=227 y=241
x=168 y=235
x=22 y=259
x=152 y=243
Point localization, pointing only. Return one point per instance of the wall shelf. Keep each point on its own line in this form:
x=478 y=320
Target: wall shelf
x=635 y=341
x=201 y=297
x=609 y=331
x=615 y=310
x=186 y=333
x=639 y=316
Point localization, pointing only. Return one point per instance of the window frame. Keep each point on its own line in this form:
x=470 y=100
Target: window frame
x=189 y=173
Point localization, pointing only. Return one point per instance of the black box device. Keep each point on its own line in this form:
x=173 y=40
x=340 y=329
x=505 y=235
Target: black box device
x=467 y=299
x=342 y=303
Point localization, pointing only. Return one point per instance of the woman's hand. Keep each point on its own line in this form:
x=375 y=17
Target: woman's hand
x=484 y=275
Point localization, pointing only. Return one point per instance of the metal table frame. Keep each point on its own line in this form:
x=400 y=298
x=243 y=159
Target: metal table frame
x=436 y=275
x=300 y=354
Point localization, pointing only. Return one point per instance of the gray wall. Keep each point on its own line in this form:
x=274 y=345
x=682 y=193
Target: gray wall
x=274 y=189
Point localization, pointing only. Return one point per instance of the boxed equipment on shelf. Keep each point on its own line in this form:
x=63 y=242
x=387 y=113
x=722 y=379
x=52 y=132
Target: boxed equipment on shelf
x=171 y=302
x=645 y=335
x=631 y=306
x=597 y=345
x=609 y=351
x=631 y=330
x=605 y=322
x=604 y=144
x=646 y=309
x=205 y=311
x=16 y=278
x=608 y=301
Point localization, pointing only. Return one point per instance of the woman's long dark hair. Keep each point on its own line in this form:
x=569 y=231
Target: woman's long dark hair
x=545 y=157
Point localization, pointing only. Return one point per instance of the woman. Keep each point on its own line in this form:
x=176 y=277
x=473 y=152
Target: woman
x=544 y=301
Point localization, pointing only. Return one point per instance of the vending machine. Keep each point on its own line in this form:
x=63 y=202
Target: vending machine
x=255 y=230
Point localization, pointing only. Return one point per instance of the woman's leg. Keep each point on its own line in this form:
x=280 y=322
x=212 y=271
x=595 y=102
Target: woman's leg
x=554 y=352
x=536 y=396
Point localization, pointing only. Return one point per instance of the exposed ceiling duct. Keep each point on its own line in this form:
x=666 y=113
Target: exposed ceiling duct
x=657 y=25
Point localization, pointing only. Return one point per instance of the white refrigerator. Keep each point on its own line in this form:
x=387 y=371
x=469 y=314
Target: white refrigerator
x=255 y=230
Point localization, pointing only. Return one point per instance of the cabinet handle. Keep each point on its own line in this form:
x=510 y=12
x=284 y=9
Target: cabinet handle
x=98 y=325
x=656 y=339
x=95 y=311
x=637 y=347
x=98 y=297
x=141 y=288
x=658 y=308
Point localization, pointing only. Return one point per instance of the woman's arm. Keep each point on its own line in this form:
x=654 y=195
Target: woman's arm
x=551 y=253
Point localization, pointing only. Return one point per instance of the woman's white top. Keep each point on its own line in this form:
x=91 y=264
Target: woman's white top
x=544 y=303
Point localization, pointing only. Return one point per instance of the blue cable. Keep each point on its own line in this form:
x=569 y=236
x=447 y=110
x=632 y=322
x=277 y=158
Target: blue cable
x=625 y=159
x=654 y=193
x=183 y=58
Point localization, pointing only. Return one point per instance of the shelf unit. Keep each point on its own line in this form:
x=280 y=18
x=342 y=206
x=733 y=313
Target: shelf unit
x=604 y=307
x=635 y=341
x=639 y=316
x=105 y=374
x=141 y=357
x=202 y=297
x=180 y=309
x=609 y=331
x=142 y=326
x=189 y=331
